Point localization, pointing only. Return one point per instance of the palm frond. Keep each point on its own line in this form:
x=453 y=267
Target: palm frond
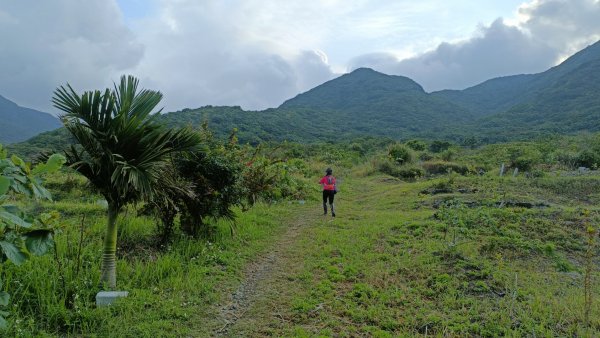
x=123 y=149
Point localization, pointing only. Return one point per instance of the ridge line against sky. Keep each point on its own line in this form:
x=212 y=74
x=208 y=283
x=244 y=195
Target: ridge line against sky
x=258 y=53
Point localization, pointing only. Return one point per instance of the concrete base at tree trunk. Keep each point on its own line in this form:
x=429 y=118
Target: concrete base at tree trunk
x=104 y=298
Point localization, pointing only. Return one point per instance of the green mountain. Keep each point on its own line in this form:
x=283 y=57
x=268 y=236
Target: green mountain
x=19 y=124
x=501 y=94
x=361 y=103
x=563 y=99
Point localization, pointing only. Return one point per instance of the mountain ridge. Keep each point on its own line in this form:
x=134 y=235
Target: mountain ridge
x=562 y=99
x=13 y=129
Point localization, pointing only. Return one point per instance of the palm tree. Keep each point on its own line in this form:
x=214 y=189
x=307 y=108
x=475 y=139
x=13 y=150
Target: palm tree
x=121 y=150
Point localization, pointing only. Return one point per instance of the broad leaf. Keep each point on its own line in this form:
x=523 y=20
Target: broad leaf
x=39 y=242
x=13 y=219
x=20 y=178
x=17 y=161
x=39 y=191
x=4 y=185
x=4 y=298
x=13 y=253
x=54 y=163
x=3 y=322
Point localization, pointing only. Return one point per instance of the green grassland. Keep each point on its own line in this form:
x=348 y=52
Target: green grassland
x=438 y=245
x=392 y=264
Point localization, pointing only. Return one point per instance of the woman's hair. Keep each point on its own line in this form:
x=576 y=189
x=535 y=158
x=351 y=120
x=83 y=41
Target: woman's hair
x=328 y=171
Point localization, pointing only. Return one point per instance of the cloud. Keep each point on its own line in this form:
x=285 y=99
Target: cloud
x=548 y=31
x=198 y=57
x=565 y=25
x=258 y=53
x=48 y=43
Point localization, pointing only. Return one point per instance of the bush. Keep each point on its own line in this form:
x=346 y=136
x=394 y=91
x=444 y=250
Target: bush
x=410 y=173
x=416 y=145
x=524 y=158
x=448 y=154
x=568 y=159
x=357 y=147
x=400 y=153
x=588 y=158
x=524 y=163
x=425 y=156
x=439 y=146
x=443 y=167
x=403 y=172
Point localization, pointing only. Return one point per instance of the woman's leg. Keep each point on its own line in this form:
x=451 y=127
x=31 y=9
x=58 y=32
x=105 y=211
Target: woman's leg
x=331 y=196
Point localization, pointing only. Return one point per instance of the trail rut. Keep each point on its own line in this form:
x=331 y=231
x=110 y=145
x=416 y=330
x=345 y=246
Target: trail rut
x=261 y=278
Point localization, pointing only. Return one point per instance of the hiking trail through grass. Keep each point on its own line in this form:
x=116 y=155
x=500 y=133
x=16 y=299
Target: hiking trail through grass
x=398 y=261
x=266 y=276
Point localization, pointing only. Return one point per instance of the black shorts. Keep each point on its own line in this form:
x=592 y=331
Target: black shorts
x=328 y=195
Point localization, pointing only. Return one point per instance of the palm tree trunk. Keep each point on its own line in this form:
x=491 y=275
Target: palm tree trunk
x=108 y=276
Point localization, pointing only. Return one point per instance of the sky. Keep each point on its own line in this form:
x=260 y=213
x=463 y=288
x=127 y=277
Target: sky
x=259 y=53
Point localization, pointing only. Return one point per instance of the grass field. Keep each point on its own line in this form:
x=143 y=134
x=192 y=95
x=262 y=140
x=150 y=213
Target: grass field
x=392 y=265
x=446 y=256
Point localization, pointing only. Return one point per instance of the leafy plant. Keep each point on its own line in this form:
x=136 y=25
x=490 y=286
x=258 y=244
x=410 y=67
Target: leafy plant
x=22 y=235
x=588 y=158
x=400 y=154
x=214 y=176
x=439 y=146
x=416 y=145
x=443 y=167
x=122 y=149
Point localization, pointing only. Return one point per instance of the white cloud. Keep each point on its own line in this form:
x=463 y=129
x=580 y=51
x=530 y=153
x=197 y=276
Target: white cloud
x=202 y=53
x=258 y=53
x=545 y=33
x=49 y=43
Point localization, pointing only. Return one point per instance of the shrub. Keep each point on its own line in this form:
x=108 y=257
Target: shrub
x=400 y=153
x=439 y=146
x=410 y=173
x=357 y=147
x=524 y=158
x=568 y=159
x=416 y=145
x=448 y=154
x=403 y=172
x=425 y=156
x=443 y=167
x=523 y=163
x=588 y=158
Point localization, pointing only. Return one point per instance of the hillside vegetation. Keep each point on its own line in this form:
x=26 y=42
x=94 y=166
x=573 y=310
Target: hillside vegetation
x=561 y=100
x=19 y=123
x=429 y=241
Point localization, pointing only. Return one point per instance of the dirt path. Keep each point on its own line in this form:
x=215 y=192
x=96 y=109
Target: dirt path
x=263 y=280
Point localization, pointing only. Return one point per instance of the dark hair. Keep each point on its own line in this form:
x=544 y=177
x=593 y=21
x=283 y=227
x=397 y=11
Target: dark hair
x=328 y=171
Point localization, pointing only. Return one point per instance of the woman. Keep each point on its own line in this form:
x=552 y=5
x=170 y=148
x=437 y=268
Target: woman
x=329 y=190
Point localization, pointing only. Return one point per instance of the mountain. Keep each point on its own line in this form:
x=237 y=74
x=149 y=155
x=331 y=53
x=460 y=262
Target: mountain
x=361 y=103
x=501 y=94
x=19 y=123
x=563 y=99
x=394 y=104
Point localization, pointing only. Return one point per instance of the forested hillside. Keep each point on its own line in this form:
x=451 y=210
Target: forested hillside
x=563 y=99
x=19 y=123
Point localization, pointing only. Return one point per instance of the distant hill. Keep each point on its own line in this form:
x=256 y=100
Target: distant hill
x=501 y=94
x=563 y=99
x=361 y=103
x=18 y=123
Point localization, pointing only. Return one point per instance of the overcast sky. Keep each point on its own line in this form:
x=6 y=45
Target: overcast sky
x=258 y=53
